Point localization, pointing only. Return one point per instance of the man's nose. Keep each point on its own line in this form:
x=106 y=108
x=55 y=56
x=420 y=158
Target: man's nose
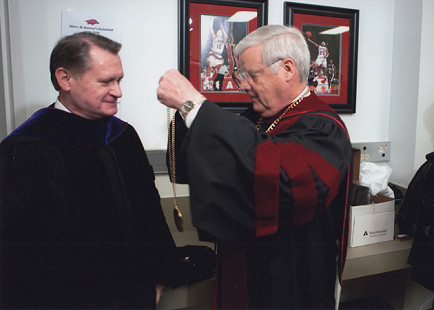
x=116 y=90
x=244 y=85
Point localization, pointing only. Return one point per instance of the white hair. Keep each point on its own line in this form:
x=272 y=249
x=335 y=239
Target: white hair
x=279 y=42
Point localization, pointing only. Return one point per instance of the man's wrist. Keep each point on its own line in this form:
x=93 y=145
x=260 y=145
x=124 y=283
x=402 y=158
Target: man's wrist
x=190 y=104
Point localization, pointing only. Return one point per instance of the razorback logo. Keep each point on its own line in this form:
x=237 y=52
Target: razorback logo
x=92 y=22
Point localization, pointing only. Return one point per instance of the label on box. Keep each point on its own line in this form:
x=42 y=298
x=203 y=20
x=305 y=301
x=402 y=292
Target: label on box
x=372 y=228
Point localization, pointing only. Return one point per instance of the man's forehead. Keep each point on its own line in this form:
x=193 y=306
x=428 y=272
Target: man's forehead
x=251 y=56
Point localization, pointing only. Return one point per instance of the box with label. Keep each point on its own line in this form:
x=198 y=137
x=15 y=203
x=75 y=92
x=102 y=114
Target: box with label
x=371 y=223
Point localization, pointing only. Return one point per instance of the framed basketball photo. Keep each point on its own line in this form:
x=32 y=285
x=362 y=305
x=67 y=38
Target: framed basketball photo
x=331 y=34
x=208 y=33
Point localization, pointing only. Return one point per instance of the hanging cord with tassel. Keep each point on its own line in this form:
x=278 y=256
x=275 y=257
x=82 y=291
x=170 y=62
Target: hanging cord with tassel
x=177 y=215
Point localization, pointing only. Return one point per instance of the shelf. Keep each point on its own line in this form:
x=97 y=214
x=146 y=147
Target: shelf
x=377 y=258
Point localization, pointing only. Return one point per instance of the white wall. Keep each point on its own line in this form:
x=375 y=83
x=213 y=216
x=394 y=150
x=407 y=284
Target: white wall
x=394 y=98
x=405 y=81
x=425 y=104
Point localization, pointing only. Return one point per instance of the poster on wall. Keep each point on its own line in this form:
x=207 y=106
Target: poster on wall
x=331 y=34
x=208 y=33
x=77 y=21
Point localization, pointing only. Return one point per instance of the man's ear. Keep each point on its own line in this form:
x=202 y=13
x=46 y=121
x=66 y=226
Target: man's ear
x=63 y=77
x=289 y=68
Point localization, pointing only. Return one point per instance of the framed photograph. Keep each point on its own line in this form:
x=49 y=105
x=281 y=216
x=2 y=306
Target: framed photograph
x=208 y=33
x=332 y=37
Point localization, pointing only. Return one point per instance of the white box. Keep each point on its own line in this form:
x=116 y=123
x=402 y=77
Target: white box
x=373 y=222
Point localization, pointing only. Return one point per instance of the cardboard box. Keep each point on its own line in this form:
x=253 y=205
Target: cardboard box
x=373 y=222
x=356 y=164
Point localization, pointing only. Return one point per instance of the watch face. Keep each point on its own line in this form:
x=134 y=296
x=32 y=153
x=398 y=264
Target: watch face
x=188 y=105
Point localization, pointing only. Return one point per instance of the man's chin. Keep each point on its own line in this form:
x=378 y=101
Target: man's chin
x=110 y=110
x=257 y=106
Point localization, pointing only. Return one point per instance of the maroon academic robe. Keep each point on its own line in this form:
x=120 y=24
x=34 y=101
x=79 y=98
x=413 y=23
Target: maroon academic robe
x=276 y=203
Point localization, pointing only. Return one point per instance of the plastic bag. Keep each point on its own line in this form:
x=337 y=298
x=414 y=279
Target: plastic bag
x=376 y=178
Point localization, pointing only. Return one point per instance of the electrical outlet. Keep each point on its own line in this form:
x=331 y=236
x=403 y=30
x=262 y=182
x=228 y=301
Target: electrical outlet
x=373 y=151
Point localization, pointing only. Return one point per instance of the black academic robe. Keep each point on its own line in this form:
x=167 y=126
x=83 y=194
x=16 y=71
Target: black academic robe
x=275 y=203
x=81 y=221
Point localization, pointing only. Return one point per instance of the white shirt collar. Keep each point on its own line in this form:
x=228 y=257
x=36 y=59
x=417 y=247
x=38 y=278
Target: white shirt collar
x=60 y=106
x=304 y=92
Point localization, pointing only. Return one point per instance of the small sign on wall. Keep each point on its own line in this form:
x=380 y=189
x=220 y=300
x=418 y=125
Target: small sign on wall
x=106 y=25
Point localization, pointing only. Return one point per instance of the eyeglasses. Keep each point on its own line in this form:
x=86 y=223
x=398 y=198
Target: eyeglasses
x=241 y=75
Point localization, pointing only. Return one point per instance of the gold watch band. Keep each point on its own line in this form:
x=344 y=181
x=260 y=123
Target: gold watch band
x=190 y=104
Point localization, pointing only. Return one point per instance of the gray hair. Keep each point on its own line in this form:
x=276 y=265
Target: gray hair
x=72 y=52
x=279 y=42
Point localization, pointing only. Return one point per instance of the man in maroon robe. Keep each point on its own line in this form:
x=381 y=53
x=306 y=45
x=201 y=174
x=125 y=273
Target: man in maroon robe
x=269 y=186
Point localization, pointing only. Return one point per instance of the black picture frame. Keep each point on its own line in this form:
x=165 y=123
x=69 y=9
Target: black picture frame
x=193 y=16
x=318 y=22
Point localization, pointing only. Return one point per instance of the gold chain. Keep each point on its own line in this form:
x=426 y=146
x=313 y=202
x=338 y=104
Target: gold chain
x=277 y=120
x=176 y=212
x=171 y=130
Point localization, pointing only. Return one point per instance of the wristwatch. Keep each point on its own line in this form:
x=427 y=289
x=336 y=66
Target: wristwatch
x=190 y=104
